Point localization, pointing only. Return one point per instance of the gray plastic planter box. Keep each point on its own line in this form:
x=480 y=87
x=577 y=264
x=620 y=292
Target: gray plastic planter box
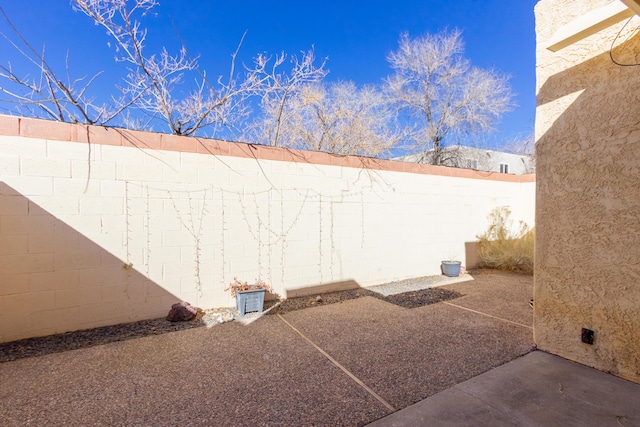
x=248 y=301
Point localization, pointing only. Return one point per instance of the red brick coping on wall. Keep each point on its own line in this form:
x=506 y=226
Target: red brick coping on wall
x=52 y=130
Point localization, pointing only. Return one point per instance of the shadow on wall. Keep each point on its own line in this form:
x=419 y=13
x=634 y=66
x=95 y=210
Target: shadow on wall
x=587 y=205
x=53 y=279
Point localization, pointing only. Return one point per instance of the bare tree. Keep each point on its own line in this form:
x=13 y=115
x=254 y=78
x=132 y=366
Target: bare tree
x=523 y=144
x=49 y=95
x=164 y=88
x=279 y=89
x=152 y=79
x=443 y=93
x=338 y=118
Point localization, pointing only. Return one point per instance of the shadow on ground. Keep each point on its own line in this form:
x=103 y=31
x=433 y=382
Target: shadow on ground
x=299 y=368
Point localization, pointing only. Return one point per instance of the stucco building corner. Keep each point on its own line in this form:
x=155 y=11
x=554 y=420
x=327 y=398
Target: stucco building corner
x=587 y=274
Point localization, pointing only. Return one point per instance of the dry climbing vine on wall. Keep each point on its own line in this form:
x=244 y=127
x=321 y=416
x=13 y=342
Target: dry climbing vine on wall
x=362 y=227
x=192 y=207
x=322 y=202
x=148 y=232
x=283 y=247
x=269 y=277
x=284 y=233
x=194 y=229
x=331 y=238
x=255 y=233
x=329 y=228
x=263 y=232
x=127 y=225
x=127 y=262
x=223 y=226
x=320 y=239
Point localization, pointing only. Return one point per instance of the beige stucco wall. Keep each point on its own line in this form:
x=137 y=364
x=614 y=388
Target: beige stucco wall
x=78 y=204
x=587 y=270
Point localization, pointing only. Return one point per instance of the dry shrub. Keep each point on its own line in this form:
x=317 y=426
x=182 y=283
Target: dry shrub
x=238 y=286
x=503 y=249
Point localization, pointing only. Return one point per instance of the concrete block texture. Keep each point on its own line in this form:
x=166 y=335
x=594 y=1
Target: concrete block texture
x=587 y=228
x=14 y=284
x=123 y=234
x=9 y=166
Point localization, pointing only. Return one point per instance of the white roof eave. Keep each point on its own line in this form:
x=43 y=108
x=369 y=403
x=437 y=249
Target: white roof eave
x=593 y=22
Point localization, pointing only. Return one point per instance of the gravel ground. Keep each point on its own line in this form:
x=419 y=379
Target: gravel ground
x=97 y=336
x=412 y=299
x=264 y=373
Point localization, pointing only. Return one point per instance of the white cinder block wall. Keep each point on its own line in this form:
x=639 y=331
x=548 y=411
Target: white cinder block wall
x=100 y=226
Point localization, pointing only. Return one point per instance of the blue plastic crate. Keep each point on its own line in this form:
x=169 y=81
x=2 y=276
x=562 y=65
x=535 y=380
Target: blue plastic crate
x=249 y=301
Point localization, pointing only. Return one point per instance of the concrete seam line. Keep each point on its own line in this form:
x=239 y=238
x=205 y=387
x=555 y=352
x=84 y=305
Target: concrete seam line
x=488 y=315
x=345 y=370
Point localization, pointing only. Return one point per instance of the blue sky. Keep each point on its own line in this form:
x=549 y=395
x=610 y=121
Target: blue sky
x=355 y=36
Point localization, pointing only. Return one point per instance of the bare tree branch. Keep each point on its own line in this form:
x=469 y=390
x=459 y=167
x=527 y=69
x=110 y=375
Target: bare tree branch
x=446 y=96
x=277 y=90
x=51 y=97
x=154 y=84
x=339 y=118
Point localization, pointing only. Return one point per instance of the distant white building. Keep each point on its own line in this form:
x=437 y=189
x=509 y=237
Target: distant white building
x=459 y=156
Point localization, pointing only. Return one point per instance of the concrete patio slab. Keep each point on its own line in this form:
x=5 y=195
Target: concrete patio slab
x=265 y=372
x=420 y=283
x=229 y=375
x=538 y=389
x=501 y=294
x=327 y=366
x=406 y=355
